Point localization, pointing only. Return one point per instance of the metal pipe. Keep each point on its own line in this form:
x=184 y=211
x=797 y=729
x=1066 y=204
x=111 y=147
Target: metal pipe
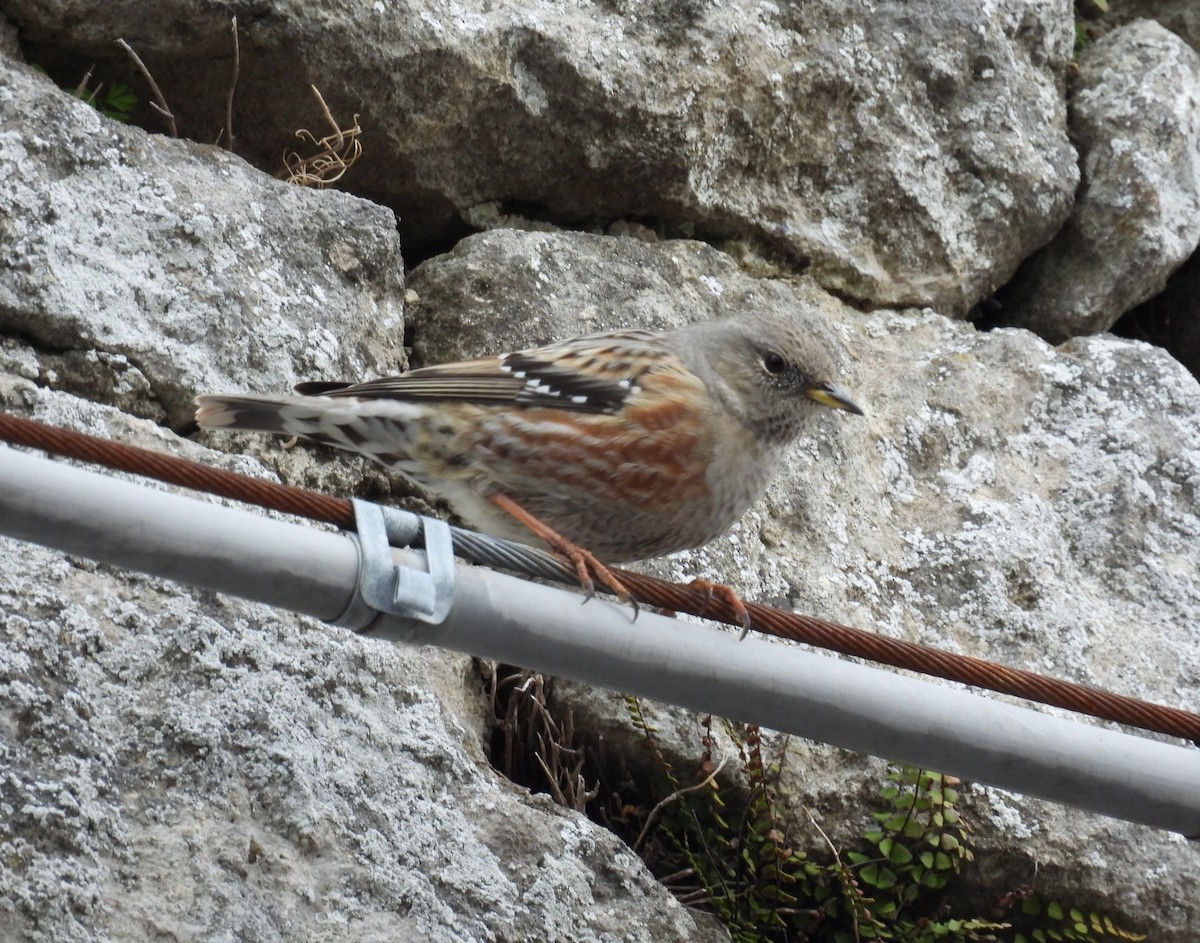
x=778 y=685
x=197 y=543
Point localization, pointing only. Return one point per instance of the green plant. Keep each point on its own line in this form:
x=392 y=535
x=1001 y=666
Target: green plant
x=768 y=873
x=740 y=867
x=920 y=845
x=921 y=841
x=117 y=102
x=1050 y=922
x=745 y=862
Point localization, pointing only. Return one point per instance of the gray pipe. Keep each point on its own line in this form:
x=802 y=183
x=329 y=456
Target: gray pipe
x=774 y=684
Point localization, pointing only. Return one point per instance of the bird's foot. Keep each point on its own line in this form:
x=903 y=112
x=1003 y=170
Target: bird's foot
x=588 y=569
x=729 y=597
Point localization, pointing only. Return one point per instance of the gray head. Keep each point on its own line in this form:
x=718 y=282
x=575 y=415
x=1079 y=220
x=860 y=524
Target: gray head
x=767 y=369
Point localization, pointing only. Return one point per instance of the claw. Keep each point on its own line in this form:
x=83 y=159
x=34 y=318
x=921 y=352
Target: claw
x=730 y=598
x=586 y=565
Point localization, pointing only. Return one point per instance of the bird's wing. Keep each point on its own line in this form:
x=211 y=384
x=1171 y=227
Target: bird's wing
x=596 y=374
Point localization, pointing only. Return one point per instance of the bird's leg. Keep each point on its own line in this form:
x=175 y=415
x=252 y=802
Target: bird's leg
x=731 y=599
x=586 y=565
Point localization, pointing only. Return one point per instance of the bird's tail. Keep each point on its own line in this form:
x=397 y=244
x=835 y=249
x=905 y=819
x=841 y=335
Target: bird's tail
x=378 y=429
x=283 y=415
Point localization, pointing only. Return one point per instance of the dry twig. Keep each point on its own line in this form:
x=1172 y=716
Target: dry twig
x=707 y=781
x=81 y=90
x=160 y=103
x=535 y=737
x=233 y=80
x=336 y=153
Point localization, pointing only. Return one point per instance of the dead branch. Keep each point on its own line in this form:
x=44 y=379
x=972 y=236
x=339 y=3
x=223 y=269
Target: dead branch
x=160 y=103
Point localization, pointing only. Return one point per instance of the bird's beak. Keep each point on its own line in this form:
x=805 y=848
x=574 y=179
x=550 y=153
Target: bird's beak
x=834 y=397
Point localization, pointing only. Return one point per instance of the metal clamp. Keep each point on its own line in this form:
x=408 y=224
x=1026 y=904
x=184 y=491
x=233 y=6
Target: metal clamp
x=384 y=586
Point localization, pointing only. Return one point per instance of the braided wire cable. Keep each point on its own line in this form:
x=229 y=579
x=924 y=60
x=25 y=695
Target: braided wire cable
x=489 y=551
x=509 y=555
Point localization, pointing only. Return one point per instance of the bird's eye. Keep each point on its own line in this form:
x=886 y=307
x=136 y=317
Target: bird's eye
x=773 y=362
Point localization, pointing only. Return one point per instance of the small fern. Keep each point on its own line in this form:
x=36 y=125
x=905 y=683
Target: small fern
x=745 y=863
x=742 y=854
x=1063 y=923
x=117 y=102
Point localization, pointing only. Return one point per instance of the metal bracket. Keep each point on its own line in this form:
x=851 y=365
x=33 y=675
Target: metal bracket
x=386 y=587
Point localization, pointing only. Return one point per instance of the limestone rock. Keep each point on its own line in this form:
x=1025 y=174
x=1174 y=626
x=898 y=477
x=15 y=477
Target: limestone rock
x=1002 y=498
x=152 y=268
x=177 y=763
x=1181 y=17
x=914 y=153
x=1135 y=116
x=522 y=289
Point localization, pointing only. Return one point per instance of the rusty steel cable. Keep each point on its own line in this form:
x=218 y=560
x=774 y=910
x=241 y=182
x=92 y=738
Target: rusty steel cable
x=845 y=640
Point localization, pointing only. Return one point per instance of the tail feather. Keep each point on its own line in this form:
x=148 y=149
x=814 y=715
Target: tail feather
x=378 y=429
x=252 y=413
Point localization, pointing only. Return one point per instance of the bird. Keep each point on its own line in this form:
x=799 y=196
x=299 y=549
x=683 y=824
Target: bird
x=611 y=447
